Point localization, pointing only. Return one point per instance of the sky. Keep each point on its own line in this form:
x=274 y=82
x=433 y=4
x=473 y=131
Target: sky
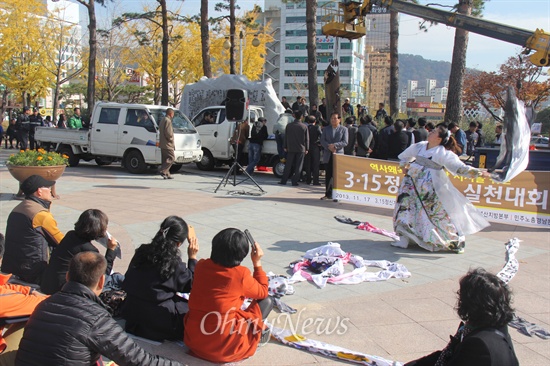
x=484 y=53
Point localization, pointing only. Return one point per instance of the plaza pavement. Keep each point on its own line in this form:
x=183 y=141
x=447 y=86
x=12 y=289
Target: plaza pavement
x=399 y=319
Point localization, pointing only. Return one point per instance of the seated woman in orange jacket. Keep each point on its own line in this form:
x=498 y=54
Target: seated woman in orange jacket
x=216 y=328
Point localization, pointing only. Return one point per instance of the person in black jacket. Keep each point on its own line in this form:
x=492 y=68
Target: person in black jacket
x=383 y=148
x=91 y=225
x=296 y=145
x=155 y=281
x=399 y=140
x=482 y=338
x=258 y=133
x=72 y=327
x=313 y=158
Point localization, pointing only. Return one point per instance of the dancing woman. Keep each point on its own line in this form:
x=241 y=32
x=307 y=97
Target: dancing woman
x=429 y=210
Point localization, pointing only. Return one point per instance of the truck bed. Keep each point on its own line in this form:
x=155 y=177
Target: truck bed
x=61 y=136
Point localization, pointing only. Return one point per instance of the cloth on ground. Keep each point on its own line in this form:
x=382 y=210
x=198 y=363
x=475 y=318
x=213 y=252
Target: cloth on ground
x=528 y=328
x=506 y=274
x=300 y=342
x=335 y=274
x=366 y=226
x=278 y=287
x=512 y=265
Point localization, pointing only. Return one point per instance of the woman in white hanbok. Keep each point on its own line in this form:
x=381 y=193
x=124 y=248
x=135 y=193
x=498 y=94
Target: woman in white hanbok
x=429 y=210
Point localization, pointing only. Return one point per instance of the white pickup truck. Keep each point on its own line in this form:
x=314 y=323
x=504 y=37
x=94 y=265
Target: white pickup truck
x=126 y=133
x=216 y=134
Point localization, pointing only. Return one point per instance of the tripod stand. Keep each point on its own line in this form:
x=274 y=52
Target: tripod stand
x=235 y=167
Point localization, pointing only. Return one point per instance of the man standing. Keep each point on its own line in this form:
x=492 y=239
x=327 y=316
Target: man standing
x=319 y=120
x=35 y=121
x=285 y=103
x=472 y=139
x=383 y=150
x=23 y=126
x=352 y=136
x=381 y=112
x=364 y=137
x=296 y=145
x=76 y=121
x=347 y=108
x=73 y=327
x=460 y=136
x=323 y=110
x=30 y=229
x=498 y=134
x=166 y=144
x=313 y=157
x=333 y=139
x=257 y=136
x=480 y=135
x=296 y=105
x=421 y=134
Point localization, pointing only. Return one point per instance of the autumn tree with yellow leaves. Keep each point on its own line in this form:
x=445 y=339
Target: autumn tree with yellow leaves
x=22 y=73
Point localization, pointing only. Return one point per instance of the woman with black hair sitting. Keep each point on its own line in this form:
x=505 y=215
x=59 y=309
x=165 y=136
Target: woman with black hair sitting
x=482 y=338
x=217 y=329
x=91 y=225
x=155 y=279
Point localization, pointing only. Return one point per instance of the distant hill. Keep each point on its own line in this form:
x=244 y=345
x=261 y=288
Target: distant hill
x=415 y=67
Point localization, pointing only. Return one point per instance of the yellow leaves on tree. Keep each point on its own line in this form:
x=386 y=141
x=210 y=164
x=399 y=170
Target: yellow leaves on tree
x=21 y=49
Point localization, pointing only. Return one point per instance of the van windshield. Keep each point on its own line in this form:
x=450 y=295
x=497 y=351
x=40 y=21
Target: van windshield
x=180 y=123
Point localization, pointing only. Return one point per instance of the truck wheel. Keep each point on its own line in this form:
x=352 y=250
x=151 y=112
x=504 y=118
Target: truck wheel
x=278 y=168
x=135 y=163
x=73 y=159
x=175 y=168
x=207 y=162
x=103 y=161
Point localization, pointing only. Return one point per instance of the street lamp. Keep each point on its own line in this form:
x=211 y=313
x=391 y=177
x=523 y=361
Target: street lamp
x=227 y=45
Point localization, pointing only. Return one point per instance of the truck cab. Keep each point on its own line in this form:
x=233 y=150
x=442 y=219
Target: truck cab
x=215 y=131
x=130 y=132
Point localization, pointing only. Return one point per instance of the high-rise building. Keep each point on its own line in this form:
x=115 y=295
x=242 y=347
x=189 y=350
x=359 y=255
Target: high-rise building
x=286 y=59
x=377 y=67
x=430 y=84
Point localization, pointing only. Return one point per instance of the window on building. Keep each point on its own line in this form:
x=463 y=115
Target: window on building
x=345 y=46
x=345 y=59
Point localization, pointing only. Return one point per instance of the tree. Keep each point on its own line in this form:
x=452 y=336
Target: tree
x=311 y=20
x=22 y=73
x=153 y=16
x=63 y=41
x=488 y=89
x=92 y=56
x=544 y=118
x=394 y=63
x=453 y=111
x=205 y=40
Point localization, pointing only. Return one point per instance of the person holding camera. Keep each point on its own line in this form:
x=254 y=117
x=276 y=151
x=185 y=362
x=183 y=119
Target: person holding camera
x=258 y=134
x=91 y=225
x=155 y=280
x=217 y=329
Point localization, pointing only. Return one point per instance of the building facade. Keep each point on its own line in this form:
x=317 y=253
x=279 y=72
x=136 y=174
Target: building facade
x=286 y=59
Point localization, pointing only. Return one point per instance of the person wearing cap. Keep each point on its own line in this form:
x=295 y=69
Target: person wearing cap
x=30 y=230
x=258 y=134
x=75 y=122
x=22 y=126
x=35 y=120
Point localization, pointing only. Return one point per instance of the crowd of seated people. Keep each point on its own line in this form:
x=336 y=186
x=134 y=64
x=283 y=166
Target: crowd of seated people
x=167 y=299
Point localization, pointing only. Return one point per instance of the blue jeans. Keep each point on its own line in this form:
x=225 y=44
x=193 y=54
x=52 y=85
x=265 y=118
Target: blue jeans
x=254 y=155
x=280 y=139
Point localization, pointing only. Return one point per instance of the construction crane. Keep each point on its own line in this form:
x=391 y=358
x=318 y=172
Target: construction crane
x=348 y=21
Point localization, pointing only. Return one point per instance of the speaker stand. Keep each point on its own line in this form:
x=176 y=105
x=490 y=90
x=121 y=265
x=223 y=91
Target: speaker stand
x=231 y=177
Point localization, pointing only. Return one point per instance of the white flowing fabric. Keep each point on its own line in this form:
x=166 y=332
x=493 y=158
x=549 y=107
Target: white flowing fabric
x=463 y=214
